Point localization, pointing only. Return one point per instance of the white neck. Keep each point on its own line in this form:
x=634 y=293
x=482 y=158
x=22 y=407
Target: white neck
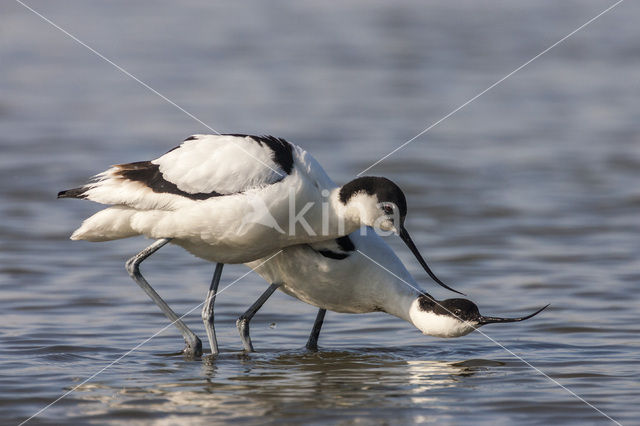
x=343 y=219
x=397 y=295
x=382 y=282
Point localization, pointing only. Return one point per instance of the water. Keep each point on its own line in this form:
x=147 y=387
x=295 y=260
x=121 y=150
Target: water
x=527 y=196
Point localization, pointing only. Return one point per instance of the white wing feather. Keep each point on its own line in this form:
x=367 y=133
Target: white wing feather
x=224 y=164
x=203 y=164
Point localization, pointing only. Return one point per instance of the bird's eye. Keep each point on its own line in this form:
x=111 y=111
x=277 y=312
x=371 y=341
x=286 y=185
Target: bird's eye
x=387 y=210
x=457 y=312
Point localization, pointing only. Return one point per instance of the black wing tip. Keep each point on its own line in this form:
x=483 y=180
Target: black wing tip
x=282 y=150
x=72 y=193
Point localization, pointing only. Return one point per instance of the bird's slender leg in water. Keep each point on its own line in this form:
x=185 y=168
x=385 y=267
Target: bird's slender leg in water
x=194 y=345
x=207 y=309
x=243 y=321
x=312 y=343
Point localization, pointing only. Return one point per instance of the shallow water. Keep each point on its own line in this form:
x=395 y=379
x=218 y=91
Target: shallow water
x=527 y=196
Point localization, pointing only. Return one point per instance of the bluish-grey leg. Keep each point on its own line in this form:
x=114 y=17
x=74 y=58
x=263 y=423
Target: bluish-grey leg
x=312 y=343
x=194 y=345
x=243 y=321
x=207 y=309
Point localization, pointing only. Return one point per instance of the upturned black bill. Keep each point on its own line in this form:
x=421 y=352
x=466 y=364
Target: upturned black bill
x=490 y=320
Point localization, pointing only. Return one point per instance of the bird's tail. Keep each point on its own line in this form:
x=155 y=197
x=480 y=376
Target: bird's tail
x=73 y=193
x=109 y=224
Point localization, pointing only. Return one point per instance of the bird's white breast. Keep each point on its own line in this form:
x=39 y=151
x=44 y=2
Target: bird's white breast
x=351 y=285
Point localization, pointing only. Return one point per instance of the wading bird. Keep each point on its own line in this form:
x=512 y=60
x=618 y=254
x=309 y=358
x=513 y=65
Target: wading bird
x=232 y=199
x=359 y=274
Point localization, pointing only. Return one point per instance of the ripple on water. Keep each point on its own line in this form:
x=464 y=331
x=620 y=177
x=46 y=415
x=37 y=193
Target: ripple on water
x=526 y=196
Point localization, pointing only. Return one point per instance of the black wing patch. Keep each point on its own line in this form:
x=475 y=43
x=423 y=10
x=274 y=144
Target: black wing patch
x=344 y=249
x=281 y=151
x=345 y=243
x=146 y=173
x=149 y=174
x=333 y=255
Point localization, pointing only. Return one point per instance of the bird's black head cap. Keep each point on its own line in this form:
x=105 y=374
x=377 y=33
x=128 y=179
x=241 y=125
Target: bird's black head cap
x=463 y=309
x=383 y=188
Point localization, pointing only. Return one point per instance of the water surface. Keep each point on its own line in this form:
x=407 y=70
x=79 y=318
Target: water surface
x=527 y=196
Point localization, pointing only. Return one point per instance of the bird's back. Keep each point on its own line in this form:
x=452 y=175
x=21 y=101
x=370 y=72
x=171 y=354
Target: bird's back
x=202 y=167
x=219 y=197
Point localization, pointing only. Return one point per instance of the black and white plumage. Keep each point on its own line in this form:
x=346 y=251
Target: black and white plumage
x=202 y=167
x=228 y=199
x=197 y=193
x=366 y=277
x=234 y=199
